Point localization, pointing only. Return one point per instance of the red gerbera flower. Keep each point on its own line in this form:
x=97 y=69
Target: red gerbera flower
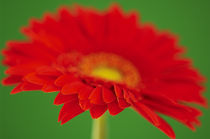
x=101 y=61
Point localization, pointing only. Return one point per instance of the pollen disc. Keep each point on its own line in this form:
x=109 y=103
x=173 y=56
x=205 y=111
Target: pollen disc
x=111 y=67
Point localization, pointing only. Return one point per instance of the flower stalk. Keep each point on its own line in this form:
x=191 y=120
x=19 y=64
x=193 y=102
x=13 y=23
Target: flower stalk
x=99 y=129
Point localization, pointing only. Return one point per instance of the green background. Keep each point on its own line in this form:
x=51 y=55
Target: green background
x=32 y=115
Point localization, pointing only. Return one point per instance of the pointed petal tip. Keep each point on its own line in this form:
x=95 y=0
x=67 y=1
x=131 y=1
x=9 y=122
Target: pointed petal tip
x=55 y=103
x=16 y=90
x=115 y=6
x=114 y=108
x=13 y=93
x=4 y=82
x=63 y=122
x=205 y=103
x=97 y=111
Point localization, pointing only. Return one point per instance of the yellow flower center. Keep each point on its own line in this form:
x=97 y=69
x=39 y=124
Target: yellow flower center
x=107 y=73
x=110 y=67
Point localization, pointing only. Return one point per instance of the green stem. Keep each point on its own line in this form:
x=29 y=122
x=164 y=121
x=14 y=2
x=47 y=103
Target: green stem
x=99 y=129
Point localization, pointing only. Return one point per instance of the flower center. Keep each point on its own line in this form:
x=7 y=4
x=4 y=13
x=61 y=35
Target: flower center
x=107 y=73
x=110 y=67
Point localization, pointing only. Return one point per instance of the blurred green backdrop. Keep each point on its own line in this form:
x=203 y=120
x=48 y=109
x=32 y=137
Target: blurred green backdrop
x=32 y=115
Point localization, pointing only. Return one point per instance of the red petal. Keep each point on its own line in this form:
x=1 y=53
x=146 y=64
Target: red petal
x=65 y=79
x=23 y=69
x=72 y=88
x=17 y=89
x=185 y=114
x=123 y=103
x=97 y=110
x=18 y=70
x=118 y=91
x=131 y=97
x=84 y=104
x=34 y=79
x=187 y=91
x=108 y=95
x=30 y=87
x=69 y=111
x=127 y=96
x=96 y=96
x=30 y=50
x=60 y=99
x=12 y=79
x=47 y=71
x=50 y=87
x=25 y=86
x=134 y=97
x=84 y=93
x=147 y=113
x=114 y=108
x=154 y=119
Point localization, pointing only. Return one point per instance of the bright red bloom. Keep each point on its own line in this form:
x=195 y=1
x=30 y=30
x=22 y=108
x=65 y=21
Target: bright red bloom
x=71 y=51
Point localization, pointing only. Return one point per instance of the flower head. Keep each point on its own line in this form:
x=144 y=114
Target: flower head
x=106 y=61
